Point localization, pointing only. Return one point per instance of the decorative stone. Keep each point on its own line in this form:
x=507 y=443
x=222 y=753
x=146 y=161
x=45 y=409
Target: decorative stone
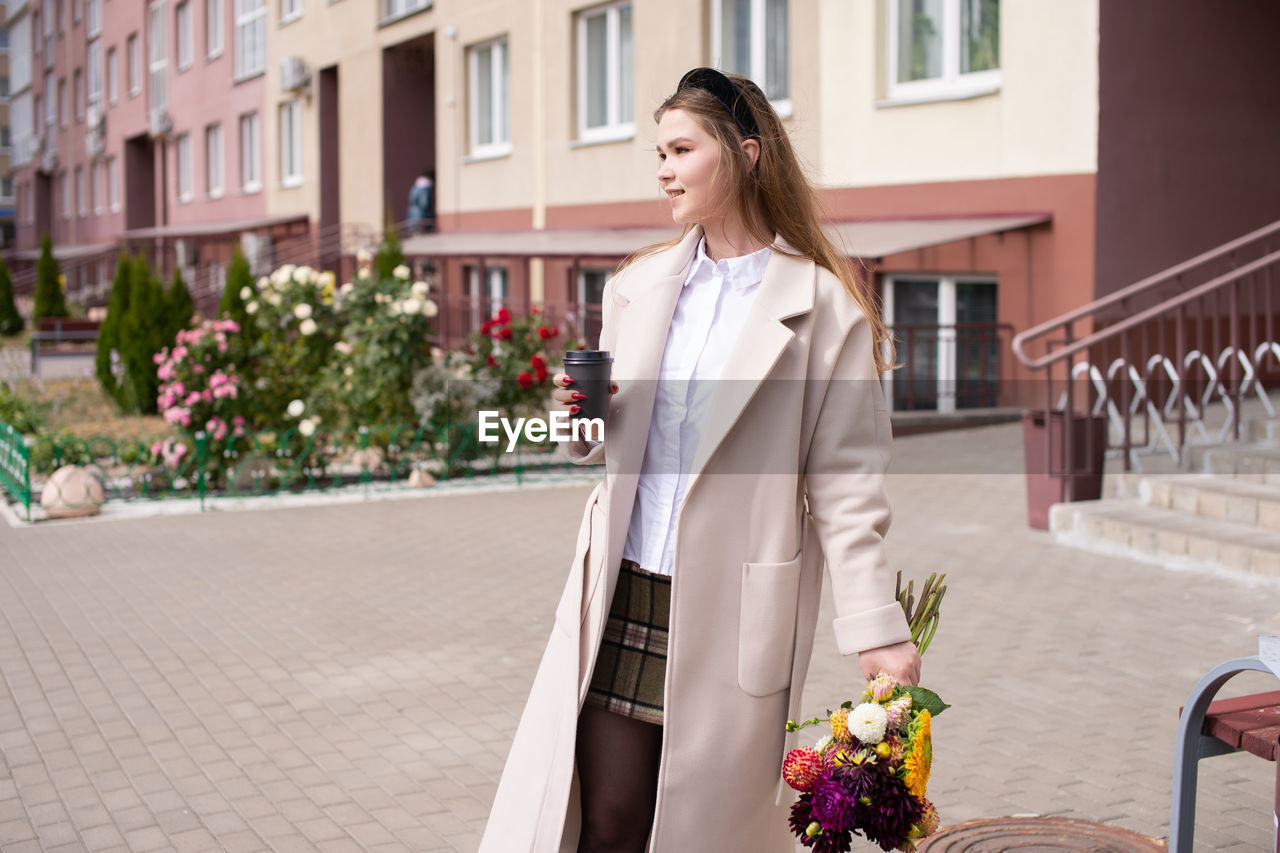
x=72 y=492
x=420 y=479
x=372 y=458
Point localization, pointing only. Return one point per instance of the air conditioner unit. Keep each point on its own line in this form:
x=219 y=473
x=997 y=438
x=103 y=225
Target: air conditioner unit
x=95 y=144
x=95 y=117
x=159 y=122
x=294 y=74
x=49 y=161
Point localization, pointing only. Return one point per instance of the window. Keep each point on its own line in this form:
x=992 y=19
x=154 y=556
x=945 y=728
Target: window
x=135 y=65
x=52 y=113
x=941 y=49
x=213 y=160
x=749 y=37
x=400 y=8
x=489 y=111
x=291 y=143
x=947 y=336
x=48 y=37
x=113 y=77
x=184 y=167
x=93 y=19
x=95 y=187
x=17 y=40
x=4 y=86
x=290 y=10
x=182 y=23
x=605 y=106
x=590 y=296
x=250 y=153
x=213 y=28
x=75 y=11
x=81 y=210
x=6 y=187
x=4 y=39
x=36 y=115
x=62 y=103
x=157 y=58
x=113 y=184
x=6 y=138
x=251 y=38
x=77 y=80
x=487 y=300
x=93 y=62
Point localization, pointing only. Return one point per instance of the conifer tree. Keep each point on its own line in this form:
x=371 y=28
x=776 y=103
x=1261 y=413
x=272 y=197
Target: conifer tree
x=50 y=300
x=179 y=307
x=390 y=254
x=11 y=321
x=142 y=334
x=109 y=332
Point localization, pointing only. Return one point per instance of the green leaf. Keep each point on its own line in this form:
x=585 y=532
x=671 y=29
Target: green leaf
x=928 y=700
x=848 y=703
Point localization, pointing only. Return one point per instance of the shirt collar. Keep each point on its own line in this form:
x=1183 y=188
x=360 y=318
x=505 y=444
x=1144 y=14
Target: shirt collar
x=741 y=273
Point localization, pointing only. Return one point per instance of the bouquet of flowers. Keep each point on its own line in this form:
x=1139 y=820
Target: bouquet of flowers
x=868 y=776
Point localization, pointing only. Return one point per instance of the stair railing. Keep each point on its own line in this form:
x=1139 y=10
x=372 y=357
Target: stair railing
x=1156 y=354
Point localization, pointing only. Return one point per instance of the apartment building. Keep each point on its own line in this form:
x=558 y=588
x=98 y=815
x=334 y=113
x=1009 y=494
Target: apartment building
x=6 y=138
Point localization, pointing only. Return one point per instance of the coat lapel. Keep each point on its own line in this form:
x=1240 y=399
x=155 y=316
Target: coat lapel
x=786 y=290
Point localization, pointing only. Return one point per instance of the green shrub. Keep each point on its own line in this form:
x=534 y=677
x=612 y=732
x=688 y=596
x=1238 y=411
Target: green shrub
x=389 y=255
x=143 y=330
x=50 y=301
x=109 y=333
x=24 y=415
x=179 y=307
x=11 y=321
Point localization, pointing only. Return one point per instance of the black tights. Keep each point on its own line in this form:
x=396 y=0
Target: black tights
x=618 y=777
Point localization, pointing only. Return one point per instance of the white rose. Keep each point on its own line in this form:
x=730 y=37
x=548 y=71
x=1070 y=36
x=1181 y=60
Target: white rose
x=273 y=298
x=380 y=298
x=346 y=288
x=397 y=308
x=348 y=371
x=412 y=305
x=302 y=311
x=429 y=308
x=251 y=308
x=327 y=279
x=305 y=274
x=401 y=272
x=307 y=327
x=307 y=427
x=246 y=293
x=420 y=289
x=296 y=408
x=343 y=347
x=364 y=258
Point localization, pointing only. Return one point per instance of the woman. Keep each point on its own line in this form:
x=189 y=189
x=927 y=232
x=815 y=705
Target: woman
x=682 y=641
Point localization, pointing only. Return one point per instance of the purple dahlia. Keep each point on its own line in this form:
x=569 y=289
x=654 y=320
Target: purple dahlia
x=827 y=841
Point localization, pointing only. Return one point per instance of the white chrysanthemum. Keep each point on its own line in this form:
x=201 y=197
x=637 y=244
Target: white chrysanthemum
x=296 y=408
x=308 y=327
x=307 y=427
x=868 y=722
x=246 y=293
x=302 y=310
x=429 y=308
x=251 y=308
x=412 y=305
x=274 y=298
x=420 y=289
x=401 y=272
x=823 y=743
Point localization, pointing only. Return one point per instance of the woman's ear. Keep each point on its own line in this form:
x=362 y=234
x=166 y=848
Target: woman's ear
x=751 y=147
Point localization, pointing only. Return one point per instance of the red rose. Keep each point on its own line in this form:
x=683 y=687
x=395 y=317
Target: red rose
x=541 y=373
x=505 y=334
x=491 y=361
x=537 y=362
x=535 y=310
x=524 y=380
x=504 y=316
x=544 y=332
x=555 y=330
x=528 y=339
x=485 y=327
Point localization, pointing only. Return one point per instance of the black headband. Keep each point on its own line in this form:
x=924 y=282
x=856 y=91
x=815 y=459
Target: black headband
x=723 y=90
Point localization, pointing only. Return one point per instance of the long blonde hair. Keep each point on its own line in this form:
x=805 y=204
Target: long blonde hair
x=774 y=198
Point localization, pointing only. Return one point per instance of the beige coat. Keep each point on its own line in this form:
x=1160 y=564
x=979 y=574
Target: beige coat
x=748 y=561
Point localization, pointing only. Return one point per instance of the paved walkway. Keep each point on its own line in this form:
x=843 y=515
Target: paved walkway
x=349 y=677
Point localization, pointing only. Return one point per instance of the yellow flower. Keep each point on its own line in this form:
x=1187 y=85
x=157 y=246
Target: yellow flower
x=919 y=760
x=840 y=726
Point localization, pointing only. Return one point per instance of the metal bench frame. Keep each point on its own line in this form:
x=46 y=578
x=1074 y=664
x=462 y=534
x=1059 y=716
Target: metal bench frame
x=1193 y=744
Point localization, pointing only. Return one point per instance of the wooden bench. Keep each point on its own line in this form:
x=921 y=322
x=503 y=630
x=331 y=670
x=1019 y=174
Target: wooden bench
x=56 y=336
x=1246 y=723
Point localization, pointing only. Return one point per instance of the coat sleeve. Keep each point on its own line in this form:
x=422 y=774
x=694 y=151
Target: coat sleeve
x=582 y=451
x=844 y=485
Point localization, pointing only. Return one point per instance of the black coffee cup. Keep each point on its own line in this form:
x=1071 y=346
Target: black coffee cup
x=589 y=369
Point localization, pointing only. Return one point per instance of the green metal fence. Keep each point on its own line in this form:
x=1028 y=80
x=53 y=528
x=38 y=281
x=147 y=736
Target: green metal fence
x=15 y=467
x=269 y=462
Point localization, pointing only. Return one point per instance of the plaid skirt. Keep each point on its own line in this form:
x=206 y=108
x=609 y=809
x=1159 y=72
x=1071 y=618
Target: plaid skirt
x=631 y=668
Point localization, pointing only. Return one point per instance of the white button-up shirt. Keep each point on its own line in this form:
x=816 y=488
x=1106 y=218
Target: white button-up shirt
x=709 y=316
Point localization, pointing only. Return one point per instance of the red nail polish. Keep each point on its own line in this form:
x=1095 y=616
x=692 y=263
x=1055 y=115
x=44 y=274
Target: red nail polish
x=577 y=395
x=568 y=381
x=573 y=410
x=613 y=387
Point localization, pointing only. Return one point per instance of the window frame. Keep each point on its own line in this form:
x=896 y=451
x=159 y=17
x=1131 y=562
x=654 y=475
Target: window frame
x=290 y=10
x=95 y=187
x=395 y=10
x=157 y=56
x=77 y=94
x=113 y=75
x=82 y=203
x=250 y=154
x=93 y=19
x=215 y=161
x=93 y=64
x=759 y=48
x=616 y=129
x=182 y=169
x=113 y=183
x=290 y=140
x=133 y=65
x=184 y=35
x=251 y=30
x=500 y=100
x=952 y=84
x=214 y=25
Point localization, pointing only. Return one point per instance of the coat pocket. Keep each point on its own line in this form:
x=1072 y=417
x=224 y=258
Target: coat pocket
x=767 y=625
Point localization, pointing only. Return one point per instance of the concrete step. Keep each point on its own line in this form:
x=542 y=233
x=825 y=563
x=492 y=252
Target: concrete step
x=1210 y=496
x=1167 y=536
x=1256 y=462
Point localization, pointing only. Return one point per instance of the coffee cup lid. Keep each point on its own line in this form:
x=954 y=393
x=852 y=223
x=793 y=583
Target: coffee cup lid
x=586 y=356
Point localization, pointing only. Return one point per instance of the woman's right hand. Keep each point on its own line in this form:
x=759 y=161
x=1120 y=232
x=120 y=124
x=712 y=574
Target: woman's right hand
x=568 y=399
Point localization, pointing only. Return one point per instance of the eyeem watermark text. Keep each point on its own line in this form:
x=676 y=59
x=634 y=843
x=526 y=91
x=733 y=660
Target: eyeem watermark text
x=558 y=427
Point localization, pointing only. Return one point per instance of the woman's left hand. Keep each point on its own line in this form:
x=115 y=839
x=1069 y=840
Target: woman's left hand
x=900 y=660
